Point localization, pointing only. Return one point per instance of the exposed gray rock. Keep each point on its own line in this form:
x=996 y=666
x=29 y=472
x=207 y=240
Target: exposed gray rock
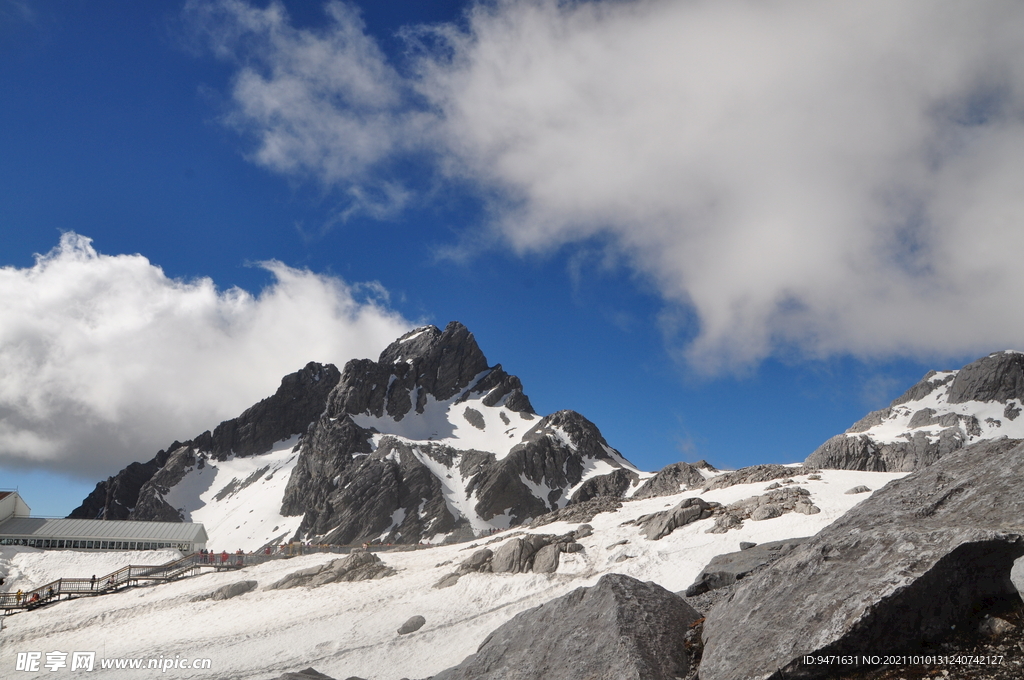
x=477 y=561
x=770 y=505
x=670 y=480
x=412 y=625
x=618 y=629
x=613 y=484
x=233 y=590
x=746 y=545
x=857 y=489
x=308 y=674
x=897 y=570
x=545 y=561
x=358 y=566
x=725 y=570
x=754 y=474
x=763 y=512
x=448 y=580
x=584 y=530
x=579 y=512
x=997 y=377
x=516 y=555
x=660 y=524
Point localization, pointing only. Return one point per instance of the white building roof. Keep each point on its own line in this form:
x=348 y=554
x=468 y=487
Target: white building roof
x=103 y=530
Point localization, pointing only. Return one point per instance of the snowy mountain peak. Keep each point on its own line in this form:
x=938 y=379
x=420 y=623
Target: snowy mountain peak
x=428 y=443
x=943 y=412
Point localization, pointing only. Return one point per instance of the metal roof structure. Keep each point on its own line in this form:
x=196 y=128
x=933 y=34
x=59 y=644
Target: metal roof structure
x=103 y=530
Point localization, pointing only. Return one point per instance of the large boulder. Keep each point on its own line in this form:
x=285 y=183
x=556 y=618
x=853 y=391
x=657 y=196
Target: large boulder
x=897 y=571
x=233 y=590
x=619 y=629
x=724 y=570
x=660 y=524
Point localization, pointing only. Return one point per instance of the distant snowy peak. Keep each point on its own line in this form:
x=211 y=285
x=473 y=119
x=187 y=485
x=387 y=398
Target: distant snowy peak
x=430 y=442
x=944 y=412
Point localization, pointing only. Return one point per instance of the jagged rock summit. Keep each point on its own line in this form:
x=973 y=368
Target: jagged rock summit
x=430 y=442
x=427 y=443
x=944 y=412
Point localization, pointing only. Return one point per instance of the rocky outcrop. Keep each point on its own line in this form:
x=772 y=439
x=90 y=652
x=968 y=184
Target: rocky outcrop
x=307 y=674
x=298 y=401
x=614 y=484
x=660 y=524
x=775 y=503
x=378 y=461
x=755 y=474
x=898 y=570
x=620 y=628
x=941 y=414
x=229 y=591
x=358 y=566
x=579 y=512
x=725 y=570
x=670 y=480
x=412 y=625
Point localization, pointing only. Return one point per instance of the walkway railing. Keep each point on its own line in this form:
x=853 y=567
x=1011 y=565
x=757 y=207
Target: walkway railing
x=82 y=587
x=132 y=575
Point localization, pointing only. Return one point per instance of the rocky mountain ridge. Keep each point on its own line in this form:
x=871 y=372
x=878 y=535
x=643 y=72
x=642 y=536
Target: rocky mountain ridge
x=135 y=491
x=942 y=413
x=428 y=442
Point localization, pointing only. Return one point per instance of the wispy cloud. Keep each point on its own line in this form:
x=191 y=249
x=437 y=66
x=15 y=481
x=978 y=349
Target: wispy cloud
x=825 y=178
x=105 y=359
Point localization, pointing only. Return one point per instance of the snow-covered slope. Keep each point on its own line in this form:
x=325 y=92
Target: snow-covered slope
x=234 y=499
x=945 y=411
x=347 y=629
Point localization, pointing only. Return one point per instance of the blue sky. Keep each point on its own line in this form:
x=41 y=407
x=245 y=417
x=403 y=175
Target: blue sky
x=718 y=231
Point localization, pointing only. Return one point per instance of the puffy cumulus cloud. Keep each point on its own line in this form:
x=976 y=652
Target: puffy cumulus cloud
x=321 y=104
x=105 y=359
x=820 y=177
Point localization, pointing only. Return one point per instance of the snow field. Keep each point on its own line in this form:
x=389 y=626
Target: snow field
x=349 y=629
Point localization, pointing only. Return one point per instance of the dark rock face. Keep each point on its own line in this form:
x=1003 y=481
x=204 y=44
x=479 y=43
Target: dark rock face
x=670 y=480
x=117 y=496
x=930 y=428
x=355 y=483
x=896 y=571
x=298 y=401
x=614 y=484
x=619 y=629
x=997 y=377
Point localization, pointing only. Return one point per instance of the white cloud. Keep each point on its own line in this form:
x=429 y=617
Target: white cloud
x=105 y=359
x=828 y=177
